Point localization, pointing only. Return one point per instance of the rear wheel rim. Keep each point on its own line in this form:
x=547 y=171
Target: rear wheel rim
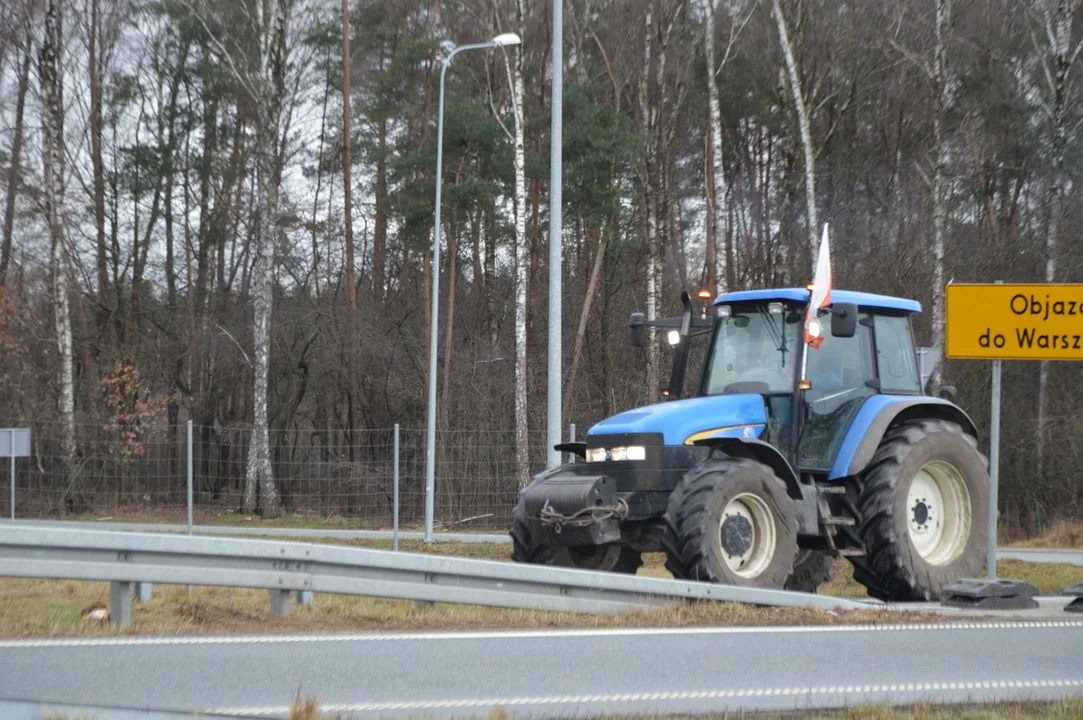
x=939 y=513
x=762 y=543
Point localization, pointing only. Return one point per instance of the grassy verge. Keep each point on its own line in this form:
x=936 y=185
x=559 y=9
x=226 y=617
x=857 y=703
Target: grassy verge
x=36 y=608
x=48 y=608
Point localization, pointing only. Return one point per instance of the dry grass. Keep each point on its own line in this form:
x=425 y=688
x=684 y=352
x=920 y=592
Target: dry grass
x=1061 y=534
x=305 y=708
x=1059 y=710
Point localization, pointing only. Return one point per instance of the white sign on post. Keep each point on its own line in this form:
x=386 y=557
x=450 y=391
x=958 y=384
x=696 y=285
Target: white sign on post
x=14 y=442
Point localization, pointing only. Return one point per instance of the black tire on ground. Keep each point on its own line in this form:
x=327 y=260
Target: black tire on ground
x=611 y=557
x=694 y=519
x=811 y=569
x=894 y=568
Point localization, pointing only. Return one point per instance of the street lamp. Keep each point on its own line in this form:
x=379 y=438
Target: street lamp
x=503 y=40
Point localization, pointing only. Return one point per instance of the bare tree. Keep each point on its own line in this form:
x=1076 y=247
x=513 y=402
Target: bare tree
x=801 y=108
x=261 y=74
x=15 y=168
x=718 y=192
x=1056 y=70
x=50 y=73
x=940 y=210
x=347 y=190
x=522 y=447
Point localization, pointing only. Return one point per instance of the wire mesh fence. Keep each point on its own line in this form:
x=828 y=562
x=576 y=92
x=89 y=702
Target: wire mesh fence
x=341 y=475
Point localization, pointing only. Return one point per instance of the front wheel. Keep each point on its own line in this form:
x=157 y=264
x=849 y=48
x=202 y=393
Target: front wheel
x=924 y=507
x=730 y=521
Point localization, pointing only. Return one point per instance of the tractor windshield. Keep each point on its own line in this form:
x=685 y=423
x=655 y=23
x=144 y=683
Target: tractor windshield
x=753 y=351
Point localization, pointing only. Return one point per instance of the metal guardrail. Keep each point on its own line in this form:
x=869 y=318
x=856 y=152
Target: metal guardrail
x=282 y=567
x=272 y=531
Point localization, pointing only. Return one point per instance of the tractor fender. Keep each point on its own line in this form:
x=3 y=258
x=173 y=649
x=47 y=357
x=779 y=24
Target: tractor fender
x=879 y=413
x=759 y=451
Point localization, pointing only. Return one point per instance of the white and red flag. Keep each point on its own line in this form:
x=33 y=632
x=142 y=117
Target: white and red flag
x=819 y=295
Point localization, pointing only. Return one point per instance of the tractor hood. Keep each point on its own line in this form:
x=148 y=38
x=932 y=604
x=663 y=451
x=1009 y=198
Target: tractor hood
x=681 y=422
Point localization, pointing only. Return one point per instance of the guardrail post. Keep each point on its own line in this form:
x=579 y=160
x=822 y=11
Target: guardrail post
x=120 y=603
x=395 y=541
x=302 y=597
x=280 y=602
x=142 y=592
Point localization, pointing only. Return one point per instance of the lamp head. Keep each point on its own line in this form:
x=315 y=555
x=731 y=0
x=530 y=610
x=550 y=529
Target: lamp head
x=506 y=39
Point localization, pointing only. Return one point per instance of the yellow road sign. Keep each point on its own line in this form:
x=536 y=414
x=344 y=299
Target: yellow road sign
x=1015 y=322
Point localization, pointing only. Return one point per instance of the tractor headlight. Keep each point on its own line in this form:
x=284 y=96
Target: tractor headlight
x=617 y=454
x=725 y=311
x=596 y=455
x=674 y=337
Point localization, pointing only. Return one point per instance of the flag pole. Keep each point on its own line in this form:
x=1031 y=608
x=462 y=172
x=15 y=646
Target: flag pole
x=812 y=313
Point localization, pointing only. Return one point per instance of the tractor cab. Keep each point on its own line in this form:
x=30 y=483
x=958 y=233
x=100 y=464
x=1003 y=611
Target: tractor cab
x=757 y=346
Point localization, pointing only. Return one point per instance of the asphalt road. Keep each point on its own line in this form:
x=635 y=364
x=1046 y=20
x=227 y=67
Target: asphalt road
x=550 y=673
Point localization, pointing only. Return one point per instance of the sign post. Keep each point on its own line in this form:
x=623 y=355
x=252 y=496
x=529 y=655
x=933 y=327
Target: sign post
x=14 y=442
x=1011 y=322
x=994 y=470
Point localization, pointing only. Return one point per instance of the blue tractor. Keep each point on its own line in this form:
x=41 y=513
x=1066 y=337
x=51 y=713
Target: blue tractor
x=782 y=459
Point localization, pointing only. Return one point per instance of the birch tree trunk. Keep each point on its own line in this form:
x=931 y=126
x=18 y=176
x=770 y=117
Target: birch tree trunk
x=268 y=82
x=804 y=125
x=717 y=194
x=940 y=211
x=1061 y=57
x=522 y=437
x=51 y=78
x=654 y=263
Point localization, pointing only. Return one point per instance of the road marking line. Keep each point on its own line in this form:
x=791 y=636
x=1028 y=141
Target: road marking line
x=909 y=688
x=126 y=641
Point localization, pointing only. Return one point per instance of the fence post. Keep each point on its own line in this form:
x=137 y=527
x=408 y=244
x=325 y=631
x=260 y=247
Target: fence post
x=395 y=493
x=189 y=484
x=189 y=476
x=12 y=461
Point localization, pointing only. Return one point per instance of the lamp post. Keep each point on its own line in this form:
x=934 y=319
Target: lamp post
x=504 y=40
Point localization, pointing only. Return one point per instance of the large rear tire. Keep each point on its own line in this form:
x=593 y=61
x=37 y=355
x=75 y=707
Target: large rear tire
x=731 y=521
x=924 y=511
x=611 y=557
x=811 y=569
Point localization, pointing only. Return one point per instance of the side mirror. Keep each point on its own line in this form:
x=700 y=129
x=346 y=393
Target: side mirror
x=843 y=320
x=948 y=392
x=637 y=329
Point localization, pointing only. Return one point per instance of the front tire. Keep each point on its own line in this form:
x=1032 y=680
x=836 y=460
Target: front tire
x=730 y=521
x=610 y=557
x=924 y=509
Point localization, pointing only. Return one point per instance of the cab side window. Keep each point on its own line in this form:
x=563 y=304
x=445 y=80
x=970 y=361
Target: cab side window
x=895 y=354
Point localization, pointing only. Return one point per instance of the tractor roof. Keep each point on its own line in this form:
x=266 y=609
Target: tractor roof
x=800 y=295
